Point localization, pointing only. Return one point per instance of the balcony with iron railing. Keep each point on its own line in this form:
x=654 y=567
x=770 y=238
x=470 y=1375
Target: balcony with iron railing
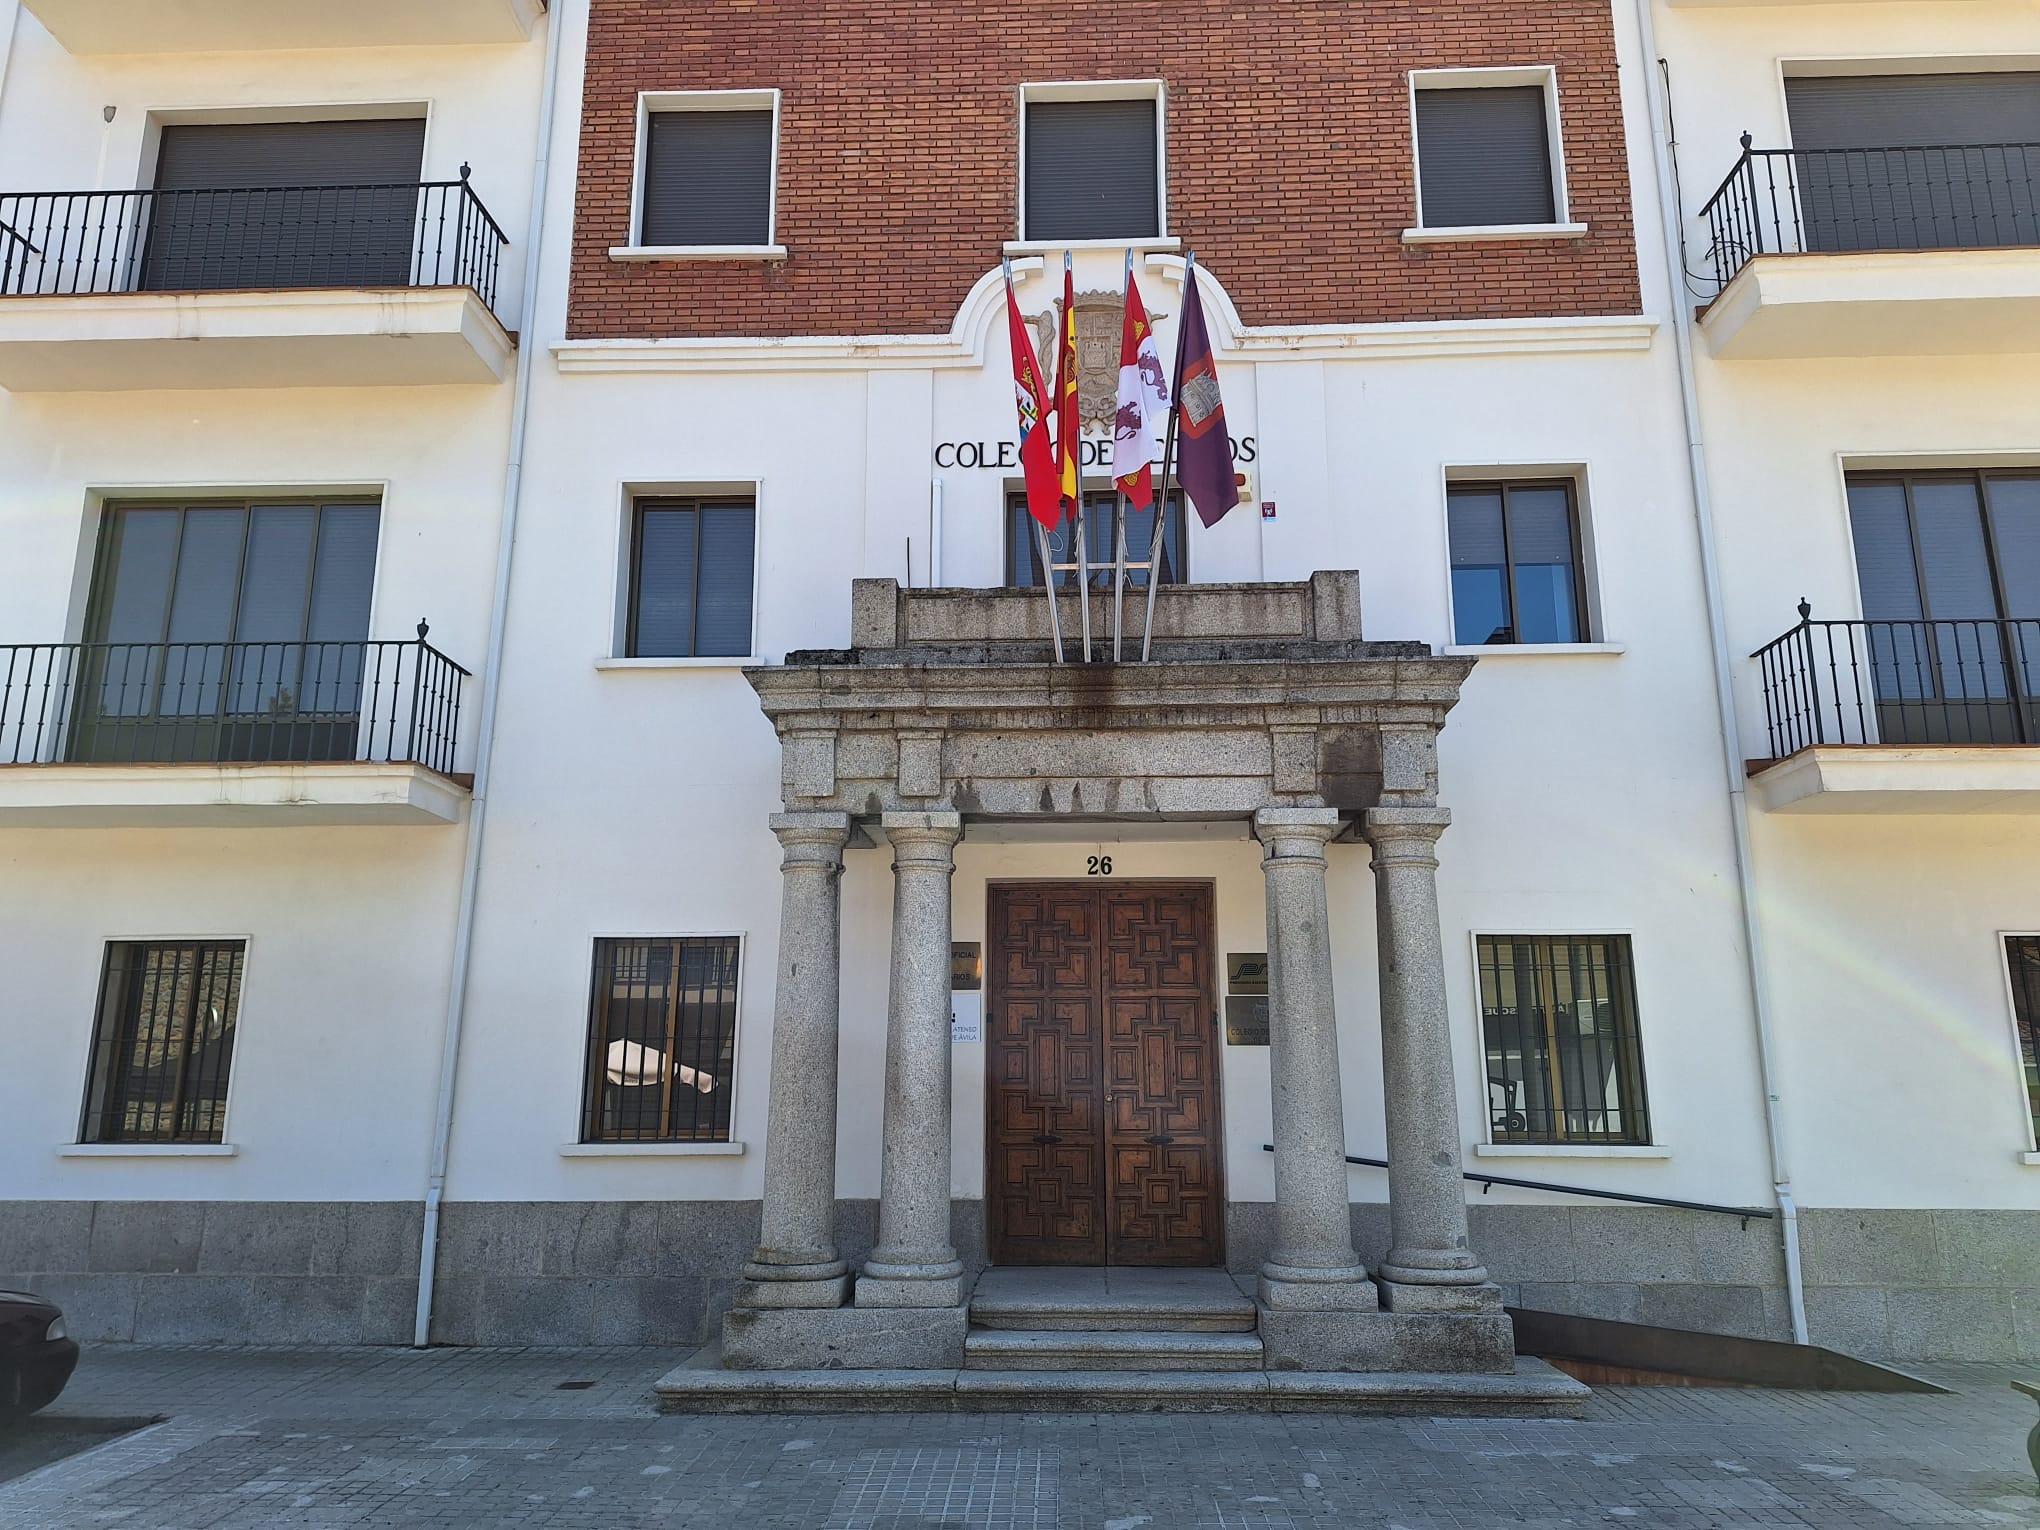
x=1922 y=250
x=278 y=286
x=208 y=26
x=1901 y=716
x=171 y=734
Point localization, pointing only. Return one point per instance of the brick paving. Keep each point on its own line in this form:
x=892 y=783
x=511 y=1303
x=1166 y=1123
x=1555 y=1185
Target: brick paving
x=487 y=1438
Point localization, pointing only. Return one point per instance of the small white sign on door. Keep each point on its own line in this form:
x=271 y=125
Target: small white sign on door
x=966 y=1015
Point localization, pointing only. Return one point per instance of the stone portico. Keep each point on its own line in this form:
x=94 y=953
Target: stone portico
x=1262 y=703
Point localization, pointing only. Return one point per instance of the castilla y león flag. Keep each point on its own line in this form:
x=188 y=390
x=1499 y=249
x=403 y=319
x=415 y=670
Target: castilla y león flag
x=1204 y=465
x=1037 y=457
x=1143 y=403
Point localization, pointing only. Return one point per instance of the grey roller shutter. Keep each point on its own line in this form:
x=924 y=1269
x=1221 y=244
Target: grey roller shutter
x=1092 y=170
x=285 y=204
x=708 y=178
x=691 y=580
x=1921 y=161
x=1485 y=157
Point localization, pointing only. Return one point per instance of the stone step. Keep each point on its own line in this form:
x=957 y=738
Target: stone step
x=1534 y=1390
x=1093 y=1349
x=1095 y=1301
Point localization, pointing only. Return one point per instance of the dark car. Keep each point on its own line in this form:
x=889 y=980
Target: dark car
x=36 y=1355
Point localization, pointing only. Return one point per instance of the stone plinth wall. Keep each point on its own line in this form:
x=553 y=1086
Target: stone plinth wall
x=1903 y=1285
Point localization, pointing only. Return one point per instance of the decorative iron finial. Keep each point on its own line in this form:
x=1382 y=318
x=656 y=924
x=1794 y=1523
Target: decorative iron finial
x=467 y=169
x=1747 y=140
x=422 y=629
x=1805 y=609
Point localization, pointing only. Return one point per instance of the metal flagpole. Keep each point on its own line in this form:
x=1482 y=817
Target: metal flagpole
x=1154 y=571
x=1075 y=449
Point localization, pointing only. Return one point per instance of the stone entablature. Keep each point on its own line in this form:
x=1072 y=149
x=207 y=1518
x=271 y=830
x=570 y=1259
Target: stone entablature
x=1258 y=696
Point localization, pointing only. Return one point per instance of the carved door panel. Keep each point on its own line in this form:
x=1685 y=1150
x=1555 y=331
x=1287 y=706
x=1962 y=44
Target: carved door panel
x=1102 y=1135
x=1044 y=1139
x=1162 y=1145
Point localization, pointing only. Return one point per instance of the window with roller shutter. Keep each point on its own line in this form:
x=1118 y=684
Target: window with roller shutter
x=691 y=577
x=1484 y=157
x=707 y=179
x=1092 y=168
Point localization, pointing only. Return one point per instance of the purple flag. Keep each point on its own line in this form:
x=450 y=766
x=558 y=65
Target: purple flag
x=1204 y=465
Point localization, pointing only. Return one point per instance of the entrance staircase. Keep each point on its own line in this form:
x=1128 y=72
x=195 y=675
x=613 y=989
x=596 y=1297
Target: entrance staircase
x=1117 y=1340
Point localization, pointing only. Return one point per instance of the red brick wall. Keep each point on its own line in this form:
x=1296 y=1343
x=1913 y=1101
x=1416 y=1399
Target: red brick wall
x=1289 y=164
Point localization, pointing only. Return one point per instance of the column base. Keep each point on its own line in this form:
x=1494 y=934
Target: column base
x=1402 y=1296
x=1282 y=1295
x=830 y=1291
x=890 y=1291
x=849 y=1338
x=1388 y=1341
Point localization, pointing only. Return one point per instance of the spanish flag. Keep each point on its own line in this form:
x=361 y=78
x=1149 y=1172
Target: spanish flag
x=1067 y=427
x=1037 y=457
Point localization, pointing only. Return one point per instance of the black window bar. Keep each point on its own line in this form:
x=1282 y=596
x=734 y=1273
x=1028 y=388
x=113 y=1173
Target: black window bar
x=404 y=234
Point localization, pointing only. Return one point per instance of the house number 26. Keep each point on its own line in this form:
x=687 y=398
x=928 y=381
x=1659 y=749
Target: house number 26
x=1098 y=865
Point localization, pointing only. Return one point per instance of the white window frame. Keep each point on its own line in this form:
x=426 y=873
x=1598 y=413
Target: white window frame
x=1542 y=75
x=1094 y=90
x=2030 y=1153
x=1574 y=473
x=1486 y=1146
x=650 y=101
x=629 y=493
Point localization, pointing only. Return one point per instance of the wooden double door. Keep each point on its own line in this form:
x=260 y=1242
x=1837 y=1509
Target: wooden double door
x=1102 y=1138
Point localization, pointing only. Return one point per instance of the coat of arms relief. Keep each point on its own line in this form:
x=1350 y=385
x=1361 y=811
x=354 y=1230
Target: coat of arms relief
x=1100 y=318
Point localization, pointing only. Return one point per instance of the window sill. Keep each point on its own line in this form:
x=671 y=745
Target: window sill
x=2030 y=1160
x=1161 y=246
x=148 y=1150
x=1493 y=231
x=697 y=252
x=1566 y=1150
x=651 y=1150
x=713 y=661
x=1534 y=650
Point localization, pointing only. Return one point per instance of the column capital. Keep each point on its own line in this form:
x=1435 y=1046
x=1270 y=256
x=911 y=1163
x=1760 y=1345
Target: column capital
x=1395 y=826
x=901 y=829
x=1314 y=826
x=811 y=839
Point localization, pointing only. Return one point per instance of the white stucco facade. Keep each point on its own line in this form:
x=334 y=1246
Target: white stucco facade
x=630 y=798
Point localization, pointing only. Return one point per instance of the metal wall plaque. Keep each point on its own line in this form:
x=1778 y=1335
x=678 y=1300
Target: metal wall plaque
x=1246 y=972
x=966 y=966
x=1246 y=1020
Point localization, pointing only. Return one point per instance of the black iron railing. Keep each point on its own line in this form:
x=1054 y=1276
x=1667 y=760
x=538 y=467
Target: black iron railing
x=229 y=703
x=428 y=234
x=1910 y=682
x=1799 y=201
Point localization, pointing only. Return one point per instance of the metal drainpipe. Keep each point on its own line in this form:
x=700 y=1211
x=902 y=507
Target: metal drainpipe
x=492 y=669
x=1724 y=673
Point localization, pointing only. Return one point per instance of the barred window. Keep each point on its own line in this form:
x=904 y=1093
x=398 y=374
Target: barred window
x=1558 y=1019
x=2022 y=956
x=662 y=1038
x=163 y=1042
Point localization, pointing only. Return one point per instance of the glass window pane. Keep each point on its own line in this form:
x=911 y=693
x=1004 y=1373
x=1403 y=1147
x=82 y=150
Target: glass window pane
x=2015 y=526
x=1884 y=552
x=728 y=542
x=1480 y=587
x=663 y=602
x=1541 y=543
x=276 y=581
x=142 y=554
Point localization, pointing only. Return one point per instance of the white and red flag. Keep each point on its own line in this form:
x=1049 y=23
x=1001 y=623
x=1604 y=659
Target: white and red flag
x=1143 y=403
x=1037 y=456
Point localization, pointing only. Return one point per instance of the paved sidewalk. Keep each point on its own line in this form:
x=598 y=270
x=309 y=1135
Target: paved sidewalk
x=487 y=1438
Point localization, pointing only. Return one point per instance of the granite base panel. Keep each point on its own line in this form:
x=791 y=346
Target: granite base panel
x=1437 y=1343
x=1888 y=1285
x=844 y=1339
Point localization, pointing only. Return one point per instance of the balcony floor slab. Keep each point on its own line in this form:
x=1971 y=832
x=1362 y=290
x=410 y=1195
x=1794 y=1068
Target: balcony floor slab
x=1881 y=303
x=185 y=26
x=226 y=796
x=269 y=338
x=1902 y=778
